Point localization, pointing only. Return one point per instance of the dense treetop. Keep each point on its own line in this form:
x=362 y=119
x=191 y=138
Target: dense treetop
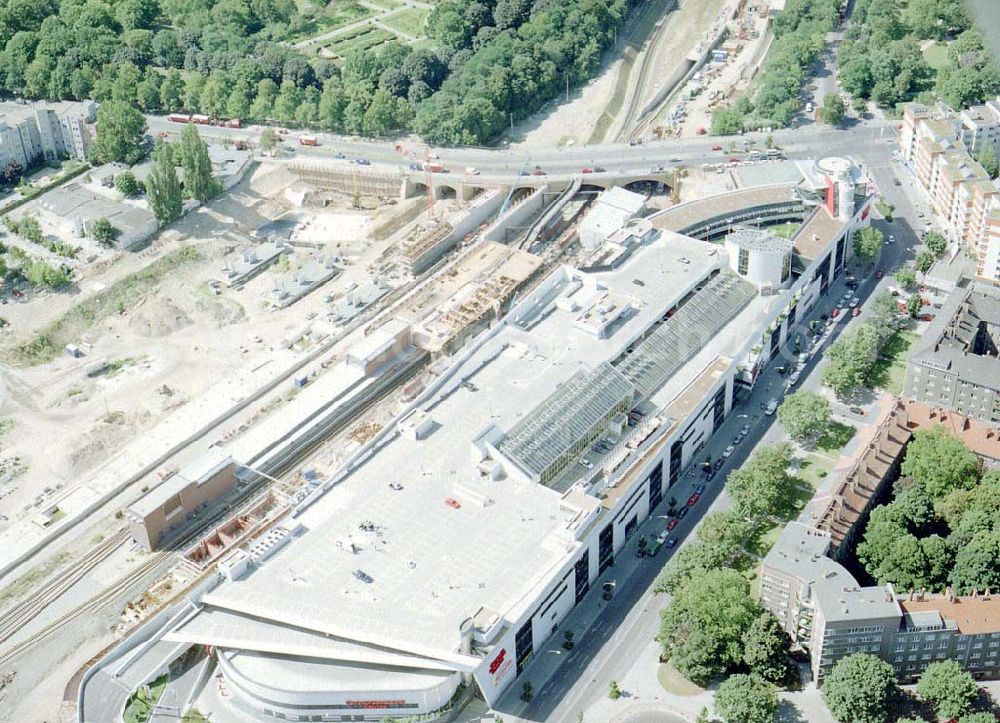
x=494 y=61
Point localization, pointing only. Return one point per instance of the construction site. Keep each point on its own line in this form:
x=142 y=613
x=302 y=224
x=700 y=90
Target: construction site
x=282 y=326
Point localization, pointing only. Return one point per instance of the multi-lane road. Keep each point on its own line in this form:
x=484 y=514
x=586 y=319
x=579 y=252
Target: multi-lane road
x=505 y=164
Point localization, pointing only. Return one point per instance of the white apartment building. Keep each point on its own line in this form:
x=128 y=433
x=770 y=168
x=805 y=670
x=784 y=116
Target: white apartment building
x=936 y=143
x=33 y=132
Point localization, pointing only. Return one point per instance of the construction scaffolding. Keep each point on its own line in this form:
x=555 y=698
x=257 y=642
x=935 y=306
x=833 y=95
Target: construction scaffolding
x=352 y=180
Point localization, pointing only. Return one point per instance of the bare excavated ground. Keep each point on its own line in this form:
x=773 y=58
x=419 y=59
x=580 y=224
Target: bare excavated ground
x=164 y=332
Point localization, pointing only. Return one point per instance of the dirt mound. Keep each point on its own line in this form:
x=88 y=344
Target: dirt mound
x=157 y=318
x=223 y=312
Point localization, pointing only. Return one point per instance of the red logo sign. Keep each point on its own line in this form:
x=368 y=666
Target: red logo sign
x=376 y=703
x=498 y=661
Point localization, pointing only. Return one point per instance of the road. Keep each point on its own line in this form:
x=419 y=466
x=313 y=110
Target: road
x=562 y=163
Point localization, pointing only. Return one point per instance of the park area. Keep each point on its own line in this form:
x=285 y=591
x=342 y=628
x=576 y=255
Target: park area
x=343 y=27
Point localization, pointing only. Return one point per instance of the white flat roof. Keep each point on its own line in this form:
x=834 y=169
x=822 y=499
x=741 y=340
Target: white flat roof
x=433 y=565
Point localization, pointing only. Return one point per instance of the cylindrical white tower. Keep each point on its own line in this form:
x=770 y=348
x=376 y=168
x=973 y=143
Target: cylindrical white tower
x=759 y=256
x=842 y=176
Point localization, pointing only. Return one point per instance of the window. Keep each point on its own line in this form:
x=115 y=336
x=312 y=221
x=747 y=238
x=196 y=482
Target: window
x=786 y=267
x=744 y=262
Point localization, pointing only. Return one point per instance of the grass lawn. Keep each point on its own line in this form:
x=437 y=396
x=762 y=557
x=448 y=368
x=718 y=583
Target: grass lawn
x=888 y=371
x=673 y=682
x=337 y=14
x=936 y=55
x=835 y=438
x=765 y=541
x=140 y=705
x=410 y=21
x=814 y=468
x=363 y=38
x=785 y=230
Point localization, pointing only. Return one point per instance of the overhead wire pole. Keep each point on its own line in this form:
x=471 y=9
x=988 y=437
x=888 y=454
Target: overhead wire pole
x=513 y=187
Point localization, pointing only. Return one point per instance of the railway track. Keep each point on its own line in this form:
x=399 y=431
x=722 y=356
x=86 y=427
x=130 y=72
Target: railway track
x=15 y=618
x=628 y=127
x=90 y=606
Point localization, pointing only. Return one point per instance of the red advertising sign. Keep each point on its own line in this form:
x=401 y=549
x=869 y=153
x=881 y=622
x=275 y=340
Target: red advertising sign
x=372 y=704
x=499 y=666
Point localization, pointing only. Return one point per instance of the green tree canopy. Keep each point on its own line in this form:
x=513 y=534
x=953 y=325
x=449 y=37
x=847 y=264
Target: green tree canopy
x=924 y=261
x=987 y=158
x=833 y=110
x=804 y=414
x=762 y=486
x=746 y=699
x=765 y=648
x=120 y=129
x=936 y=243
x=860 y=688
x=702 y=628
x=906 y=278
x=867 y=243
x=940 y=462
x=948 y=688
x=163 y=188
x=104 y=232
x=198 y=181
x=127 y=185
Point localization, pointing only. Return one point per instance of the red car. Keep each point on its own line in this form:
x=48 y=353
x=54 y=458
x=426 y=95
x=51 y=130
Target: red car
x=878 y=274
x=733 y=159
x=673 y=523
x=586 y=170
x=856 y=311
x=693 y=499
x=716 y=147
x=834 y=313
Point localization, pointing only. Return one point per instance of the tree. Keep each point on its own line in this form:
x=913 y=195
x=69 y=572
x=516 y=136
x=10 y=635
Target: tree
x=163 y=187
x=198 y=181
x=977 y=564
x=860 y=688
x=833 y=109
x=987 y=158
x=614 y=692
x=980 y=717
x=12 y=172
x=726 y=122
x=924 y=261
x=906 y=278
x=913 y=306
x=804 y=414
x=935 y=18
x=940 y=462
x=172 y=91
x=948 y=688
x=120 y=129
x=867 y=243
x=29 y=227
x=127 y=185
x=702 y=628
x=746 y=699
x=762 y=486
x=765 y=648
x=103 y=232
x=936 y=243
x=268 y=141
x=849 y=360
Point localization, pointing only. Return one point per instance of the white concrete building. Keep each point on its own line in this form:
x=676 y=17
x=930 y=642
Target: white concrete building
x=761 y=257
x=612 y=209
x=451 y=545
x=33 y=132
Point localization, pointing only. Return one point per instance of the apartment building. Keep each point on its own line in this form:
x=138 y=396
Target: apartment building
x=33 y=132
x=937 y=142
x=824 y=609
x=955 y=363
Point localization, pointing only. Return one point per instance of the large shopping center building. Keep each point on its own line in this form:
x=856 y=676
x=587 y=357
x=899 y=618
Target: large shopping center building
x=451 y=546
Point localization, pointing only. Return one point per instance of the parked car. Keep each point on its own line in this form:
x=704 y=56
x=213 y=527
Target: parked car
x=856 y=311
x=683 y=511
x=728 y=451
x=693 y=499
x=672 y=523
x=771 y=407
x=718 y=464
